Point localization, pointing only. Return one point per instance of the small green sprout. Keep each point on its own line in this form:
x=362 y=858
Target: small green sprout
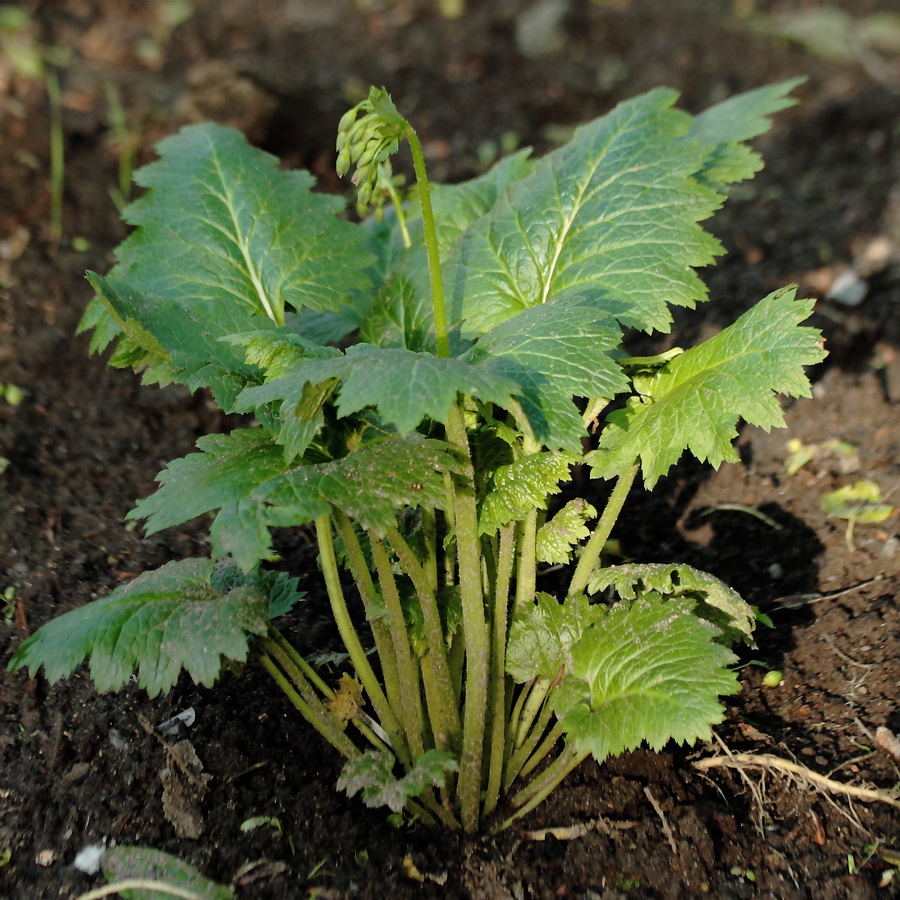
x=773 y=678
x=860 y=502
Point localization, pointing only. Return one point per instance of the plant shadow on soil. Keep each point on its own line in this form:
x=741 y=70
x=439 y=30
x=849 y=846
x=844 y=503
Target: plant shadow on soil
x=77 y=768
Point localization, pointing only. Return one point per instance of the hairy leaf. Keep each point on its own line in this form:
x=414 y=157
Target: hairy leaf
x=371 y=773
x=542 y=635
x=555 y=353
x=405 y=387
x=522 y=486
x=225 y=470
x=696 y=399
x=568 y=528
x=222 y=234
x=632 y=580
x=611 y=216
x=162 y=622
x=648 y=671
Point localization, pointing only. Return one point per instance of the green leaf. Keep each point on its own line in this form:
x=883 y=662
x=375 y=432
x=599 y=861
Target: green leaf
x=405 y=387
x=223 y=235
x=720 y=603
x=125 y=863
x=568 y=528
x=542 y=635
x=726 y=125
x=162 y=622
x=611 y=216
x=649 y=671
x=555 y=353
x=402 y=315
x=696 y=399
x=225 y=470
x=522 y=486
x=371 y=773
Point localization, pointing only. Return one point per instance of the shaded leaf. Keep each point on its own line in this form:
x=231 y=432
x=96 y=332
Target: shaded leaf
x=372 y=774
x=124 y=863
x=162 y=622
x=632 y=580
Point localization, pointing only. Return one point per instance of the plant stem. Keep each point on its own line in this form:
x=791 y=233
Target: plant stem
x=594 y=547
x=499 y=629
x=535 y=793
x=348 y=634
x=445 y=716
x=384 y=644
x=526 y=572
x=411 y=706
x=429 y=231
x=314 y=712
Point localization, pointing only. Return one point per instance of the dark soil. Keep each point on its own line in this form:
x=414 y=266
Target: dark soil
x=78 y=768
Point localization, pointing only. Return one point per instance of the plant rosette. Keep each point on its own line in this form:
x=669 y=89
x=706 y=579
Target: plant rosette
x=422 y=384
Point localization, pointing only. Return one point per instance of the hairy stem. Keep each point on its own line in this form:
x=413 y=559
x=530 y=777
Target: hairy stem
x=499 y=627
x=445 y=714
x=594 y=547
x=348 y=634
x=411 y=706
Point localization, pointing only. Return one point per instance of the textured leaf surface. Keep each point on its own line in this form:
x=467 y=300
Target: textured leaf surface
x=372 y=774
x=370 y=485
x=222 y=234
x=632 y=580
x=144 y=863
x=610 y=216
x=162 y=622
x=650 y=672
x=225 y=470
x=555 y=352
x=522 y=486
x=568 y=528
x=541 y=636
x=696 y=400
x=405 y=387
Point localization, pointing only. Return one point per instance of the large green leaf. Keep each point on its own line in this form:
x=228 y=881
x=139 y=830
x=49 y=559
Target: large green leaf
x=151 y=866
x=162 y=622
x=542 y=635
x=646 y=671
x=223 y=234
x=696 y=399
x=611 y=216
x=555 y=352
x=404 y=386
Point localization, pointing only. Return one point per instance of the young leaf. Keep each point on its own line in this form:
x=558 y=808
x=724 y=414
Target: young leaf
x=542 y=635
x=555 y=352
x=146 y=864
x=649 y=671
x=405 y=387
x=371 y=772
x=610 y=216
x=696 y=399
x=522 y=486
x=557 y=538
x=162 y=622
x=632 y=580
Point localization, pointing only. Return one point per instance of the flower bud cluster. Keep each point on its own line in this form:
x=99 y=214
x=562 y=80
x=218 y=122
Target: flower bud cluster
x=366 y=139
